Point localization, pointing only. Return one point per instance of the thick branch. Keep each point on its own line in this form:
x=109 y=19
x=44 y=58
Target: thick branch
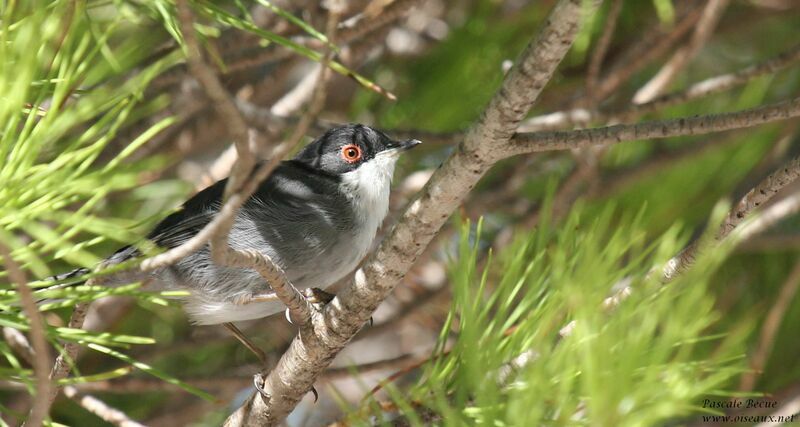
x=313 y=350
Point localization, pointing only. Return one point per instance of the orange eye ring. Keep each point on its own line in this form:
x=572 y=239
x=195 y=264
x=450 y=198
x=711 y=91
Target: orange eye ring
x=351 y=153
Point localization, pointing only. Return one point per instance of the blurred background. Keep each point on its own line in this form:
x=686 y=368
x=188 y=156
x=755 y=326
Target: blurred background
x=103 y=131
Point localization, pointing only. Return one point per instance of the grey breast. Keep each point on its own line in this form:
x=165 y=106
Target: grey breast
x=297 y=218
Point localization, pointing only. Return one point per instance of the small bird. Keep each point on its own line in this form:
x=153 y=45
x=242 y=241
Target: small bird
x=316 y=217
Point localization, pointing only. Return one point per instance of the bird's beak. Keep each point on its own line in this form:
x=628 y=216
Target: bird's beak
x=404 y=145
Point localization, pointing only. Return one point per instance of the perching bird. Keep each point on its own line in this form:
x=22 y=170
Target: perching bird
x=315 y=216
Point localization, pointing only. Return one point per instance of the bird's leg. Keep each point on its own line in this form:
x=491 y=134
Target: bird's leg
x=253 y=298
x=258 y=379
x=247 y=343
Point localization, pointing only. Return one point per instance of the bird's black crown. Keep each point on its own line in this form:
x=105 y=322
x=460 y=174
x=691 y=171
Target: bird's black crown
x=343 y=149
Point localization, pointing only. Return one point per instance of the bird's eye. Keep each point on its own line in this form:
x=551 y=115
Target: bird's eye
x=351 y=153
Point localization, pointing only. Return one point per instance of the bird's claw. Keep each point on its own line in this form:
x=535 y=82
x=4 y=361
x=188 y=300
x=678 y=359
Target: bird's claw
x=258 y=383
x=318 y=298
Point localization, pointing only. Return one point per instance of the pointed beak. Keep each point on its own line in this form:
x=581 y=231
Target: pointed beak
x=404 y=145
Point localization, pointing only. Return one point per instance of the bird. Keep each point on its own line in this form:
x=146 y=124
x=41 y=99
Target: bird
x=315 y=217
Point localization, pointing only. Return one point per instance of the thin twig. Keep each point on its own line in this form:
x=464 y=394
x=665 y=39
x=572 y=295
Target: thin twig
x=713 y=85
x=65 y=360
x=698 y=125
x=648 y=49
x=100 y=408
x=237 y=128
x=758 y=196
x=705 y=28
x=41 y=352
x=769 y=330
x=703 y=88
x=599 y=53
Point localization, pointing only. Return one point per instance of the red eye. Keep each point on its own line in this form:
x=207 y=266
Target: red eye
x=351 y=153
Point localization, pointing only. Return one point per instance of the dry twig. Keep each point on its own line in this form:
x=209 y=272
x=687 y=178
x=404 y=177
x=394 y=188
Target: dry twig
x=703 y=88
x=698 y=125
x=705 y=28
x=769 y=330
x=65 y=360
x=758 y=196
x=40 y=406
x=599 y=52
x=100 y=408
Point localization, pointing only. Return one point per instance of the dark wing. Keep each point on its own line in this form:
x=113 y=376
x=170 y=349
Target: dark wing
x=182 y=224
x=192 y=216
x=285 y=188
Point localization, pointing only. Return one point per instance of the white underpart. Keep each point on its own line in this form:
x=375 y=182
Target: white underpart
x=368 y=188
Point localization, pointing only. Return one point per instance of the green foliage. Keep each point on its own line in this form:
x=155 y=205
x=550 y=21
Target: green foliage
x=73 y=96
x=637 y=364
x=73 y=77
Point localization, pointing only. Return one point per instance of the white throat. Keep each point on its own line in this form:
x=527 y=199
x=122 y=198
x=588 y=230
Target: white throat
x=368 y=188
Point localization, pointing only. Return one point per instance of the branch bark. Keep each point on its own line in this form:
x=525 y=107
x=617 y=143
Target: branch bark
x=599 y=53
x=698 y=125
x=65 y=360
x=709 y=86
x=702 y=33
x=41 y=352
x=755 y=198
x=315 y=347
x=100 y=408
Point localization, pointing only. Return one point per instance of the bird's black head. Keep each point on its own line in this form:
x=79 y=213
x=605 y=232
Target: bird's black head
x=343 y=149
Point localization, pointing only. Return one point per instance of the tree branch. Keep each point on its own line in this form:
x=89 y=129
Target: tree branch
x=314 y=349
x=65 y=360
x=651 y=46
x=698 y=125
x=709 y=86
x=41 y=352
x=237 y=127
x=101 y=409
x=770 y=328
x=703 y=31
x=599 y=53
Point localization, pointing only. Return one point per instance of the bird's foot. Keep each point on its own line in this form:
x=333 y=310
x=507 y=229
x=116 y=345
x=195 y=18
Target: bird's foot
x=318 y=298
